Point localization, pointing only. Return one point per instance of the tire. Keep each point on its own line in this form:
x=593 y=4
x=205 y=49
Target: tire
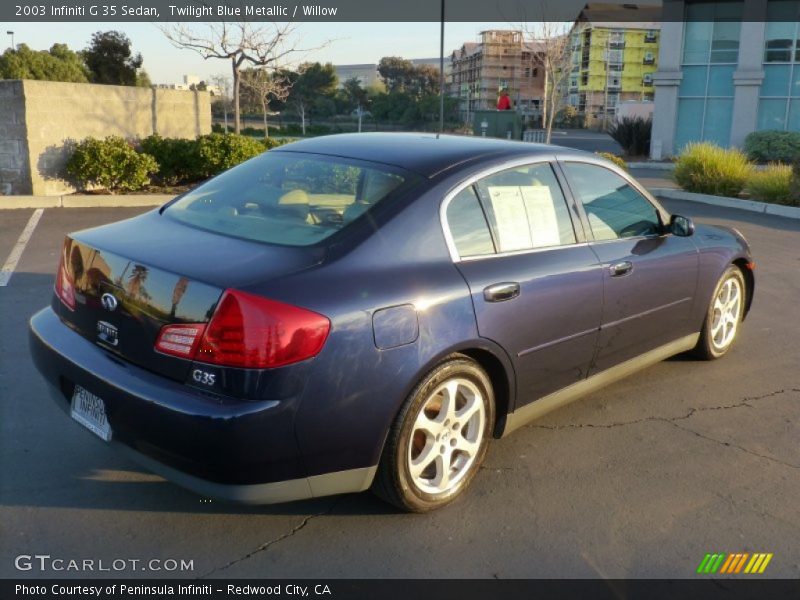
x=436 y=446
x=717 y=337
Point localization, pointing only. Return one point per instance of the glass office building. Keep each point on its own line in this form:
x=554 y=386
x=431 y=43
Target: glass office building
x=726 y=69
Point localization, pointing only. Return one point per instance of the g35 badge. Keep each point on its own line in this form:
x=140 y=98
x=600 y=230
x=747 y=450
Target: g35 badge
x=204 y=377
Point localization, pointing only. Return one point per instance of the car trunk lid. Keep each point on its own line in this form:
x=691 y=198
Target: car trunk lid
x=132 y=278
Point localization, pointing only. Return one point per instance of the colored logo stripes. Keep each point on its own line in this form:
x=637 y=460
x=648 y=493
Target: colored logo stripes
x=728 y=564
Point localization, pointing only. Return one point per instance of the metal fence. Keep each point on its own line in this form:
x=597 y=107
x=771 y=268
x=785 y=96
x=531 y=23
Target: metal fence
x=537 y=136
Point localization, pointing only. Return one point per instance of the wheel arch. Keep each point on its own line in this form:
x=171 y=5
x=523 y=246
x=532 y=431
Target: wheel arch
x=745 y=267
x=493 y=360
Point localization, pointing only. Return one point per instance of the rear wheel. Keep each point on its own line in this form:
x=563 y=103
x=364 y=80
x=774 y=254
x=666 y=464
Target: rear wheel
x=439 y=439
x=725 y=313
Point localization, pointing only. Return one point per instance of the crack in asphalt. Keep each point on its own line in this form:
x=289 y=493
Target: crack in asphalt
x=266 y=545
x=745 y=402
x=736 y=446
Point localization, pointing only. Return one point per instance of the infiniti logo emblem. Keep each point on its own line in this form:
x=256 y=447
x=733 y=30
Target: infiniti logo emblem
x=109 y=302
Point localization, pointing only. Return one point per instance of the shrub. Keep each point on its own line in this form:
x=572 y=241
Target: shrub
x=794 y=184
x=111 y=163
x=633 y=134
x=617 y=160
x=218 y=152
x=178 y=159
x=772 y=184
x=773 y=146
x=568 y=117
x=708 y=169
x=270 y=143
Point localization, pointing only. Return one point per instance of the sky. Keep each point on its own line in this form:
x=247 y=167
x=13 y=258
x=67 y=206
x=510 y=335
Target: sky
x=347 y=43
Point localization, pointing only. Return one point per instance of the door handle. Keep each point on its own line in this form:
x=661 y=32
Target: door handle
x=500 y=292
x=621 y=268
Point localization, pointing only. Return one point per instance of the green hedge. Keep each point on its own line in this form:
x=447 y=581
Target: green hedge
x=111 y=163
x=773 y=146
x=178 y=159
x=706 y=168
x=116 y=164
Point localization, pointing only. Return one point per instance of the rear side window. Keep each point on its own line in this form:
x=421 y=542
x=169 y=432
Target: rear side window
x=614 y=208
x=287 y=198
x=526 y=208
x=468 y=225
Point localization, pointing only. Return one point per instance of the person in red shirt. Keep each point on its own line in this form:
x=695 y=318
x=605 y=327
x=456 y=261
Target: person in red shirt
x=503 y=102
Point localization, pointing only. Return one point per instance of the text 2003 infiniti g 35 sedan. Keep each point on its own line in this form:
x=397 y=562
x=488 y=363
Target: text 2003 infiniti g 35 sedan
x=369 y=310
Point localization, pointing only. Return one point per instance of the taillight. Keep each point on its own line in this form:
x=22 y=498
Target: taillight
x=65 y=288
x=249 y=331
x=180 y=340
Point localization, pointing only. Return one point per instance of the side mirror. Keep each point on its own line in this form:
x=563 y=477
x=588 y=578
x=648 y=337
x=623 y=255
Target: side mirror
x=681 y=226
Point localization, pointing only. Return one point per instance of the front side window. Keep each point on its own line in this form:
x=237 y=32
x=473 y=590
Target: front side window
x=614 y=208
x=526 y=208
x=287 y=198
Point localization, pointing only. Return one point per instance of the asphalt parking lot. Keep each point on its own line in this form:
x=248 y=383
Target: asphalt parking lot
x=639 y=480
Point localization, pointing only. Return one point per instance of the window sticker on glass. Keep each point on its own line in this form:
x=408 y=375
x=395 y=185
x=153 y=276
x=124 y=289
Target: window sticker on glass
x=525 y=216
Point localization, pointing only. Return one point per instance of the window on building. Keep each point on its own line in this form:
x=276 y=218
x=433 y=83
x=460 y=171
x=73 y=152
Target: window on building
x=615 y=56
x=711 y=33
x=779 y=102
x=651 y=36
x=584 y=79
x=649 y=58
x=710 y=55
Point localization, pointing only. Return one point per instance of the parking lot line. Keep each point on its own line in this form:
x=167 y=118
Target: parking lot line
x=16 y=252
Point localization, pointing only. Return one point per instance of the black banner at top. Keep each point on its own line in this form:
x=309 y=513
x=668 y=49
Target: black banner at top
x=512 y=11
x=310 y=10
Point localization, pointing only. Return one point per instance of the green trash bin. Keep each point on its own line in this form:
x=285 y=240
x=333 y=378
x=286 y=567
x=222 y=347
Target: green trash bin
x=505 y=124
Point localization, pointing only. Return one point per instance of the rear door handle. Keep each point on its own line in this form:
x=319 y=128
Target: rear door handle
x=500 y=292
x=621 y=268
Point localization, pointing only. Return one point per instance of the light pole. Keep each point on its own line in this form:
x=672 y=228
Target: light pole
x=11 y=33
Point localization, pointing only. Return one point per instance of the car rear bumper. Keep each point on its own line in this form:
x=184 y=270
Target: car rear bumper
x=238 y=450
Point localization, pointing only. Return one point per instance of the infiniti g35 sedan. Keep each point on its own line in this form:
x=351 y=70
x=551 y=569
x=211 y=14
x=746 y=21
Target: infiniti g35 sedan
x=369 y=310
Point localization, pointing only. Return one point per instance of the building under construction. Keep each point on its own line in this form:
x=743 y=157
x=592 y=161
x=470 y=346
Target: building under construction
x=502 y=59
x=611 y=63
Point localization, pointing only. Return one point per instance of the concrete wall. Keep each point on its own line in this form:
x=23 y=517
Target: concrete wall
x=40 y=119
x=634 y=108
x=14 y=166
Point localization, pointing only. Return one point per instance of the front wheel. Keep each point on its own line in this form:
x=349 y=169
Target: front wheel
x=439 y=439
x=724 y=316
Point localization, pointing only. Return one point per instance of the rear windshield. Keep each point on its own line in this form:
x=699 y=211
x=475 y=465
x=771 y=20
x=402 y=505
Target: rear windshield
x=286 y=198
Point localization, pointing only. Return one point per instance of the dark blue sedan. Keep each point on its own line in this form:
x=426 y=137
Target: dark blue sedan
x=368 y=310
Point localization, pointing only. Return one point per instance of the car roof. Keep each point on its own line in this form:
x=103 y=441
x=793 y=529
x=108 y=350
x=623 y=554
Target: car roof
x=426 y=154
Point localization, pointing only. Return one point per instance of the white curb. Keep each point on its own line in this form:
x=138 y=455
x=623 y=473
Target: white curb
x=88 y=201
x=791 y=212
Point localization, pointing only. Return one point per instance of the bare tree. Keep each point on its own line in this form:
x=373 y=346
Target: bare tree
x=555 y=58
x=266 y=86
x=243 y=43
x=223 y=84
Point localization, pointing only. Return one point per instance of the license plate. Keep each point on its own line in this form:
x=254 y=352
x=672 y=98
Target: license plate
x=90 y=411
